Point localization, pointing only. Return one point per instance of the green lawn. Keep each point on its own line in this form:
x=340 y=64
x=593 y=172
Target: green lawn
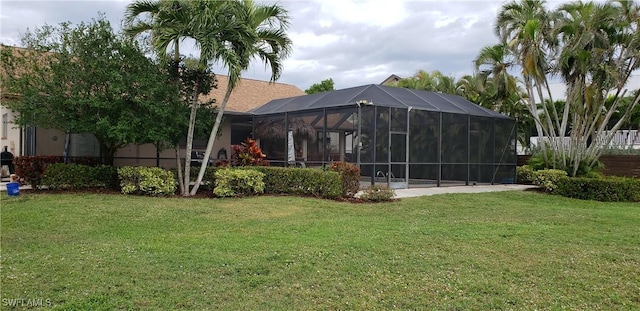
x=507 y=250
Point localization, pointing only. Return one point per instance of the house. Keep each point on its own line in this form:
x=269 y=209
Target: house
x=397 y=136
x=236 y=127
x=392 y=79
x=247 y=95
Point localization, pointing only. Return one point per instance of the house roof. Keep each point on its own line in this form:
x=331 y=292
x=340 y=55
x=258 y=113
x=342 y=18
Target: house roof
x=379 y=95
x=250 y=93
x=391 y=79
x=247 y=95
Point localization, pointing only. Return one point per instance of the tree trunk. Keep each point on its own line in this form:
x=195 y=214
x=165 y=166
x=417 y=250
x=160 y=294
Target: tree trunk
x=536 y=119
x=107 y=153
x=192 y=124
x=179 y=166
x=67 y=142
x=212 y=139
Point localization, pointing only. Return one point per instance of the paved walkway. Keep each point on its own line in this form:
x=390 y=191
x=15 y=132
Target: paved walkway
x=418 y=192
x=3 y=185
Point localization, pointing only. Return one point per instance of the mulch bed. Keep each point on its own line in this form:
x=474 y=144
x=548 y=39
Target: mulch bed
x=203 y=194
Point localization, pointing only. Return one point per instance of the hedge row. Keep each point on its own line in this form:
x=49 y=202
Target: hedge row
x=78 y=176
x=31 y=168
x=157 y=181
x=298 y=181
x=610 y=189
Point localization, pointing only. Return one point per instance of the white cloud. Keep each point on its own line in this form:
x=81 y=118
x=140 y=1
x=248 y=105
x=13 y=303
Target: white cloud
x=354 y=42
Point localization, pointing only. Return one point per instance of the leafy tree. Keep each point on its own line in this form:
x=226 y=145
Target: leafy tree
x=323 y=86
x=87 y=79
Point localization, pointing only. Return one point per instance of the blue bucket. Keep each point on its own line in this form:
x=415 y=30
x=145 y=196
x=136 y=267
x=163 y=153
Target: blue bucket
x=13 y=189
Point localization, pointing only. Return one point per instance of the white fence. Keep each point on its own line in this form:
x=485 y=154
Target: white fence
x=623 y=139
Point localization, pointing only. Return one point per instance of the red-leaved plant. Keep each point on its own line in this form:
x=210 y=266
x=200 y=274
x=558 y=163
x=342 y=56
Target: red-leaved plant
x=248 y=153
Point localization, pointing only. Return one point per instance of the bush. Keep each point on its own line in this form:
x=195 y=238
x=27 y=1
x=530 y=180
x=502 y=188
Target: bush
x=378 y=193
x=31 y=168
x=350 y=174
x=536 y=162
x=524 y=174
x=248 y=153
x=301 y=181
x=548 y=179
x=78 y=176
x=208 y=180
x=232 y=182
x=105 y=176
x=610 y=189
x=67 y=176
x=146 y=180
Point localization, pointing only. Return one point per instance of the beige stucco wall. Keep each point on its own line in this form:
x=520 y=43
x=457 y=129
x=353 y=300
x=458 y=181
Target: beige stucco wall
x=49 y=142
x=145 y=155
x=11 y=138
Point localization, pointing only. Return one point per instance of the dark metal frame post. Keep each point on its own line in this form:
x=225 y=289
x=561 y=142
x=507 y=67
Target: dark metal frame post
x=438 y=181
x=359 y=146
x=389 y=116
x=373 y=146
x=324 y=138
x=468 y=149
x=286 y=140
x=406 y=155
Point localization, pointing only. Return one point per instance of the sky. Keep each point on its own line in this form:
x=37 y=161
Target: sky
x=354 y=42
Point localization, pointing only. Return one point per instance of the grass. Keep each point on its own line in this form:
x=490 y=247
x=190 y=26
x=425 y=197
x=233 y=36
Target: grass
x=508 y=250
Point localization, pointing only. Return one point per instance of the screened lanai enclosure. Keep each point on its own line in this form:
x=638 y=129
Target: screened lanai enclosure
x=397 y=136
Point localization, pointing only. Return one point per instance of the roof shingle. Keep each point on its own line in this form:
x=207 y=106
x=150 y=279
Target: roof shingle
x=250 y=93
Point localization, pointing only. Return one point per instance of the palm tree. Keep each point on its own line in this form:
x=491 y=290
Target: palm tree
x=600 y=50
x=254 y=31
x=168 y=23
x=524 y=27
x=434 y=82
x=494 y=62
x=502 y=90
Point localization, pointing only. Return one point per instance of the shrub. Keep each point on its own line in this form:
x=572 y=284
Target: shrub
x=536 y=162
x=208 y=180
x=232 y=182
x=610 y=189
x=248 y=153
x=68 y=176
x=146 y=180
x=78 y=176
x=350 y=174
x=548 y=179
x=594 y=174
x=301 y=181
x=524 y=174
x=378 y=193
x=104 y=176
x=31 y=168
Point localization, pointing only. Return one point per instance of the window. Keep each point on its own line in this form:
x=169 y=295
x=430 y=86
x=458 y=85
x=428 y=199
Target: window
x=5 y=122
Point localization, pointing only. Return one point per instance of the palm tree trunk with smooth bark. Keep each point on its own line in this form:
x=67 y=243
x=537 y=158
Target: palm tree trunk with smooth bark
x=212 y=140
x=192 y=125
